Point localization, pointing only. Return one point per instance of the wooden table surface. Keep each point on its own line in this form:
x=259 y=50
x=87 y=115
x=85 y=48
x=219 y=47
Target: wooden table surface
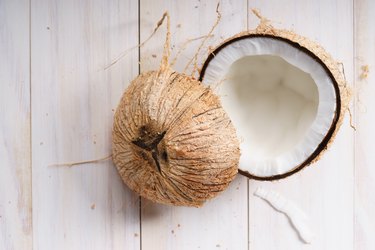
x=57 y=102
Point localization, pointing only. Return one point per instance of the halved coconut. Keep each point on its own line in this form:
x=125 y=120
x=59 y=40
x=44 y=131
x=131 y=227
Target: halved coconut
x=285 y=95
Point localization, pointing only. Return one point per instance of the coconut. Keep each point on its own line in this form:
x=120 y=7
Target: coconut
x=173 y=143
x=285 y=95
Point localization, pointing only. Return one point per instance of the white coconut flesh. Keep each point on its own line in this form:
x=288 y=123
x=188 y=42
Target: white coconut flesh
x=280 y=99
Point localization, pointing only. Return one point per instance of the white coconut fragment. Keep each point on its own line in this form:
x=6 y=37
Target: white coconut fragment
x=296 y=216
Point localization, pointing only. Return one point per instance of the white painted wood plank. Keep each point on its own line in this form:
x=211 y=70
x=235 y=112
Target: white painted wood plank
x=222 y=222
x=364 y=216
x=84 y=207
x=324 y=190
x=15 y=153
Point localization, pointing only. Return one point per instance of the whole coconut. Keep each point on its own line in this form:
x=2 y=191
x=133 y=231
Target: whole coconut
x=172 y=141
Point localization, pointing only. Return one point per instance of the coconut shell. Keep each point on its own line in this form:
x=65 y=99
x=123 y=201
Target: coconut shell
x=172 y=141
x=332 y=67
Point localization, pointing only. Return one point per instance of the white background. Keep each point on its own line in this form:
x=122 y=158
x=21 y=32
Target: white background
x=57 y=101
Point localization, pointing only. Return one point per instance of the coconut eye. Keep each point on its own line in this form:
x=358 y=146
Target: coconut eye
x=284 y=98
x=164 y=155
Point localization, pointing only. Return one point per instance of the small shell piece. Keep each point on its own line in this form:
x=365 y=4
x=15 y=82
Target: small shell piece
x=297 y=217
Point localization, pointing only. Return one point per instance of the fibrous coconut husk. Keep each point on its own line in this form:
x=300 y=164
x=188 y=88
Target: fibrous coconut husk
x=173 y=143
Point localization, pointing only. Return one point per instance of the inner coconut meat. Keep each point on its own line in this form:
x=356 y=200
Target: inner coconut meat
x=281 y=101
x=277 y=101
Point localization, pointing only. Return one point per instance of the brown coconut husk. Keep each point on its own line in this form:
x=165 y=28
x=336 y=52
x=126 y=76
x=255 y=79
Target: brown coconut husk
x=332 y=67
x=173 y=143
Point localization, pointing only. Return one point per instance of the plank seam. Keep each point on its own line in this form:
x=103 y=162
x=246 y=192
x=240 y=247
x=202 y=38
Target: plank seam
x=247 y=180
x=139 y=72
x=355 y=118
x=31 y=134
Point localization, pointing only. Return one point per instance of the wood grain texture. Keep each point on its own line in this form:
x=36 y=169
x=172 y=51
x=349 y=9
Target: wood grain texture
x=15 y=153
x=62 y=47
x=84 y=207
x=222 y=222
x=325 y=189
x=364 y=216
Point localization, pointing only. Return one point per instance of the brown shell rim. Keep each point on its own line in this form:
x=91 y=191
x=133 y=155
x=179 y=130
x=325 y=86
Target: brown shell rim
x=323 y=145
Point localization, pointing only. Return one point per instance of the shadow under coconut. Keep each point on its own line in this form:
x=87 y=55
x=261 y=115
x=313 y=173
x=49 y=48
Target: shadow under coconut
x=235 y=195
x=218 y=222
